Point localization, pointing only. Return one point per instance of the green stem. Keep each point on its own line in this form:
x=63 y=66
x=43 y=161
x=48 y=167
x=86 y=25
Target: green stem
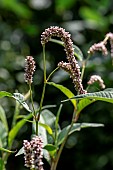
x=16 y=113
x=43 y=92
x=83 y=69
x=55 y=161
x=31 y=96
x=41 y=103
x=52 y=73
x=84 y=66
x=44 y=63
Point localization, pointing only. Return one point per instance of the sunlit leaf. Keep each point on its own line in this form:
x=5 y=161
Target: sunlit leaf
x=75 y=127
x=48 y=128
x=65 y=90
x=13 y=132
x=5 y=94
x=20 y=98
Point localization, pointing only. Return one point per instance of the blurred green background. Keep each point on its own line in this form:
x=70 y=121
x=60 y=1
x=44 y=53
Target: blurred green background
x=21 y=24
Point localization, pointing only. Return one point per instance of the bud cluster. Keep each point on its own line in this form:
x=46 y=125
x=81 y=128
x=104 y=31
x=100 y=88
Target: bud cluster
x=96 y=78
x=29 y=69
x=33 y=153
x=72 y=67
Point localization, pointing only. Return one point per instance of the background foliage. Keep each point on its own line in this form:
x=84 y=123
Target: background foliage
x=21 y=24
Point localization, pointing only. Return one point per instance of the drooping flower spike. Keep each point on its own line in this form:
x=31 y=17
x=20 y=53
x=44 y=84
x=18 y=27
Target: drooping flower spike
x=72 y=67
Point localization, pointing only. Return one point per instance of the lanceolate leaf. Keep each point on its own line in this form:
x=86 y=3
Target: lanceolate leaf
x=20 y=98
x=106 y=95
x=77 y=51
x=75 y=127
x=65 y=90
x=13 y=132
x=5 y=94
x=49 y=130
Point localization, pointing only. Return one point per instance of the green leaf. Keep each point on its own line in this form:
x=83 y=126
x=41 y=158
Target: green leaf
x=83 y=104
x=49 y=130
x=75 y=127
x=6 y=150
x=77 y=52
x=51 y=149
x=20 y=152
x=3 y=118
x=106 y=95
x=20 y=98
x=5 y=94
x=65 y=90
x=13 y=132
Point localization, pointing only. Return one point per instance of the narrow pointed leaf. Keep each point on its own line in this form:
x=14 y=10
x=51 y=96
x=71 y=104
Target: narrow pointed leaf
x=13 y=132
x=5 y=94
x=65 y=90
x=106 y=95
x=77 y=51
x=75 y=127
x=48 y=128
